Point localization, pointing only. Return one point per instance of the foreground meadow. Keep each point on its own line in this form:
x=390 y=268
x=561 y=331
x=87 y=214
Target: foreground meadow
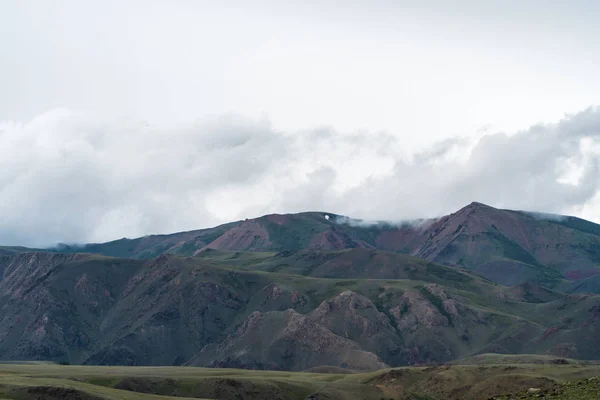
x=484 y=377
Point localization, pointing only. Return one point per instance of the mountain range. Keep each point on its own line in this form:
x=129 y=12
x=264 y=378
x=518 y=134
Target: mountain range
x=299 y=291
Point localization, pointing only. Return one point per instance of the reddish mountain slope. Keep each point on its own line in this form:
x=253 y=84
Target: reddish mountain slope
x=508 y=247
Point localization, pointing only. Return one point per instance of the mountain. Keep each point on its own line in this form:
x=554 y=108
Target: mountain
x=512 y=247
x=507 y=247
x=300 y=291
x=184 y=243
x=286 y=311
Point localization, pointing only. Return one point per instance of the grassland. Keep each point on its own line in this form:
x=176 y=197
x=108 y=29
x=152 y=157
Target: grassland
x=584 y=389
x=483 y=381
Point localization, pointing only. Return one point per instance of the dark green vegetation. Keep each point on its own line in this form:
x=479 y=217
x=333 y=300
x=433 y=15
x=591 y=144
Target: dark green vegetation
x=183 y=243
x=9 y=250
x=468 y=382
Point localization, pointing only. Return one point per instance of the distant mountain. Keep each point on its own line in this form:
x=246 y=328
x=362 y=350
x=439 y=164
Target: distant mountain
x=508 y=247
x=298 y=291
x=183 y=243
x=361 y=309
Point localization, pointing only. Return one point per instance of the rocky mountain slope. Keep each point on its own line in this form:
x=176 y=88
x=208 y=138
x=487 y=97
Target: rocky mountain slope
x=361 y=309
x=507 y=247
x=298 y=291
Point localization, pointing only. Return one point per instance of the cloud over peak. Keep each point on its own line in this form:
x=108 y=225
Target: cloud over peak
x=66 y=177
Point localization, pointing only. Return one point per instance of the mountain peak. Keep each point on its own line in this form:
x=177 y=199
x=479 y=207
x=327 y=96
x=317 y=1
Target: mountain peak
x=478 y=205
x=473 y=209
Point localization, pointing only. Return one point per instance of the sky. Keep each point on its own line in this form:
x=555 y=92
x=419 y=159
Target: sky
x=125 y=118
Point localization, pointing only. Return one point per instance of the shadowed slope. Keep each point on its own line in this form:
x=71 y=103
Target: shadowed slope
x=209 y=310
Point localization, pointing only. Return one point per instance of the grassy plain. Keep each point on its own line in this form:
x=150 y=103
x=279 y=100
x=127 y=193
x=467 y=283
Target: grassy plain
x=485 y=377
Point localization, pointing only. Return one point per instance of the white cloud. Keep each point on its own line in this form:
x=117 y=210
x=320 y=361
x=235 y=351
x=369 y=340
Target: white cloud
x=66 y=177
x=384 y=65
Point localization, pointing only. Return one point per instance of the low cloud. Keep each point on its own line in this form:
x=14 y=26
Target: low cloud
x=68 y=178
x=343 y=220
x=547 y=216
x=410 y=223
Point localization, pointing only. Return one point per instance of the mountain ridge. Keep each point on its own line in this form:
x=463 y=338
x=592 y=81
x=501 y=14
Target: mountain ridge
x=297 y=291
x=534 y=247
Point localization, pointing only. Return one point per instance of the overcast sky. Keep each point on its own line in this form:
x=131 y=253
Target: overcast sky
x=124 y=118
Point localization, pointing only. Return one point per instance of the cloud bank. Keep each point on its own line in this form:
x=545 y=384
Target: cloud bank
x=66 y=177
